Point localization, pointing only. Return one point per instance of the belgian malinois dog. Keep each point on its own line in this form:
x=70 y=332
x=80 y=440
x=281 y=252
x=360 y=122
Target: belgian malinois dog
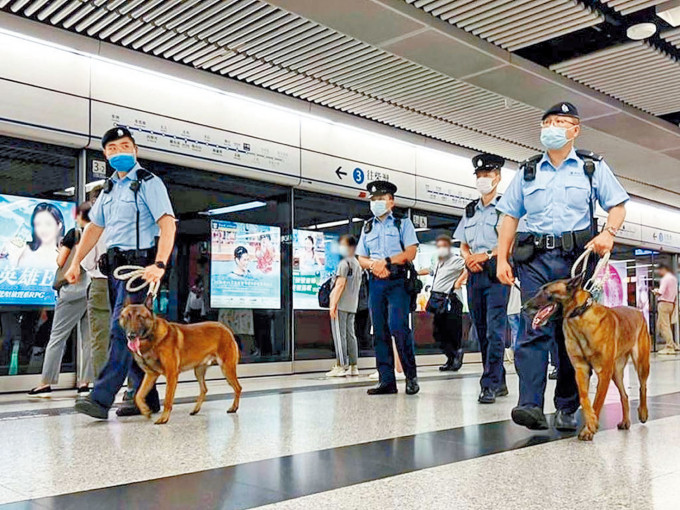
x=165 y=348
x=597 y=338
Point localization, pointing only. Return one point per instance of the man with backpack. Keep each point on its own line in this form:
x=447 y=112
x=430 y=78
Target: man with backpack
x=344 y=301
x=387 y=248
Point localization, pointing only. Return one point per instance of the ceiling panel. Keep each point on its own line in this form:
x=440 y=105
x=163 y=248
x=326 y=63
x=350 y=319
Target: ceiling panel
x=630 y=6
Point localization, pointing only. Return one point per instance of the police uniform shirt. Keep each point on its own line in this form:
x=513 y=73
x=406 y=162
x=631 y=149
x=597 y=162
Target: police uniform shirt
x=117 y=213
x=385 y=239
x=557 y=200
x=480 y=232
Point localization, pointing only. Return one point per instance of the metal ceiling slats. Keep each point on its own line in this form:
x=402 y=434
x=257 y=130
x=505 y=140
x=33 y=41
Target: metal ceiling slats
x=532 y=21
x=635 y=73
x=630 y=6
x=252 y=41
x=672 y=37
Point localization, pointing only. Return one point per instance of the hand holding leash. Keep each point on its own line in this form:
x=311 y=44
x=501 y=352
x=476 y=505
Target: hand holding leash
x=133 y=273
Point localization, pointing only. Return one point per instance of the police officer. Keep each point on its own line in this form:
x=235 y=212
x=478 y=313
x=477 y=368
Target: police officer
x=556 y=191
x=133 y=208
x=387 y=247
x=487 y=297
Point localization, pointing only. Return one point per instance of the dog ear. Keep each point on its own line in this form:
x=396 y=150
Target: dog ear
x=148 y=302
x=127 y=302
x=575 y=283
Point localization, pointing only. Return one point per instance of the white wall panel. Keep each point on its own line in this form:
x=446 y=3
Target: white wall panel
x=44 y=115
x=195 y=145
x=333 y=175
x=147 y=91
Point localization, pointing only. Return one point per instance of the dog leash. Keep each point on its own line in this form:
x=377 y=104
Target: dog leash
x=594 y=283
x=132 y=273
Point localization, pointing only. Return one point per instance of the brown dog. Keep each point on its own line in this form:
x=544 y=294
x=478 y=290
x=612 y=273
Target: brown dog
x=600 y=338
x=165 y=348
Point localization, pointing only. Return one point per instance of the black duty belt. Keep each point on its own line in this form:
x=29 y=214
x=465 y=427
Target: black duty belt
x=118 y=257
x=568 y=241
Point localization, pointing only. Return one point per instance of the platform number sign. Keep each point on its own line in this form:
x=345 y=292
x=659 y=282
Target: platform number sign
x=99 y=168
x=358 y=175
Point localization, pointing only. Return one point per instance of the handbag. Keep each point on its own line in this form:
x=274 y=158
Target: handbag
x=439 y=301
x=59 y=277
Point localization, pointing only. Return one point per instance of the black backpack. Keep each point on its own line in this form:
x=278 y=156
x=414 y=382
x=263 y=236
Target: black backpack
x=325 y=292
x=363 y=292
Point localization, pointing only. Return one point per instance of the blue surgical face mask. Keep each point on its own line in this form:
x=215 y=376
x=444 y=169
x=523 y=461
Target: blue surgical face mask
x=554 y=137
x=123 y=162
x=379 y=208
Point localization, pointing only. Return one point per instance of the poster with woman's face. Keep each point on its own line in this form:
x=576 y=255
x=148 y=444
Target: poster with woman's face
x=30 y=232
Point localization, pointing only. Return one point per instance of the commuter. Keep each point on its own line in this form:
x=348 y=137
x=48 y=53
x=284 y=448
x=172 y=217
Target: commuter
x=666 y=310
x=387 y=248
x=195 y=310
x=133 y=209
x=445 y=304
x=343 y=309
x=556 y=191
x=98 y=308
x=514 y=311
x=487 y=297
x=70 y=312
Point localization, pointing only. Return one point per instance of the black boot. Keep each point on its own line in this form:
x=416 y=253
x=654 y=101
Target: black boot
x=448 y=366
x=457 y=360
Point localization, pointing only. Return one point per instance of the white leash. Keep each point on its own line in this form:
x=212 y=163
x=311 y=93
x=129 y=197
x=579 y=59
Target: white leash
x=594 y=283
x=132 y=273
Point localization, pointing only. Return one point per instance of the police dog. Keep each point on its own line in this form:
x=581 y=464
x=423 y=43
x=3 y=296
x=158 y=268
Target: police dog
x=597 y=338
x=165 y=348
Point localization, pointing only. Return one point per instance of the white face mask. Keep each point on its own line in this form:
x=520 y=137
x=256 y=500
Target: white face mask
x=379 y=208
x=343 y=250
x=485 y=185
x=443 y=252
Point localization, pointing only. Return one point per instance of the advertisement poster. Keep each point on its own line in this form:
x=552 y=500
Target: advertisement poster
x=642 y=291
x=315 y=260
x=30 y=232
x=614 y=291
x=245 y=266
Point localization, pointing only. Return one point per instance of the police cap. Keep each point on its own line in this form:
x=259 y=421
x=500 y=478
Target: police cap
x=563 y=108
x=485 y=162
x=377 y=188
x=116 y=133
x=240 y=252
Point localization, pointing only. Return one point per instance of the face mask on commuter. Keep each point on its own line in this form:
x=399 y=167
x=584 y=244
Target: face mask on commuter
x=344 y=251
x=485 y=185
x=123 y=162
x=554 y=137
x=379 y=208
x=443 y=252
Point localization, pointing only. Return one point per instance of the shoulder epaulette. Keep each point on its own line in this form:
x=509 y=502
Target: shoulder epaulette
x=589 y=158
x=144 y=175
x=528 y=166
x=583 y=154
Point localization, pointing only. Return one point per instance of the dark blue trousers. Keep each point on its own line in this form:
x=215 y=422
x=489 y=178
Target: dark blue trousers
x=389 y=304
x=531 y=354
x=488 y=303
x=120 y=361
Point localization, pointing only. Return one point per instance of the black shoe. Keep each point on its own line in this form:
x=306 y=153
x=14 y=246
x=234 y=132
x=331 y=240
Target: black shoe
x=553 y=374
x=412 y=386
x=40 y=391
x=565 y=422
x=502 y=391
x=86 y=405
x=457 y=360
x=383 y=389
x=447 y=367
x=530 y=417
x=487 y=396
x=130 y=409
x=85 y=388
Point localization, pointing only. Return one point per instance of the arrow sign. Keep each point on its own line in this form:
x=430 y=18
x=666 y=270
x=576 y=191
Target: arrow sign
x=340 y=173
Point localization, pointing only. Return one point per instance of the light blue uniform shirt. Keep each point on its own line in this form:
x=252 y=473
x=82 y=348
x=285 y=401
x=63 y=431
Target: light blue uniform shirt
x=480 y=232
x=557 y=200
x=385 y=239
x=117 y=214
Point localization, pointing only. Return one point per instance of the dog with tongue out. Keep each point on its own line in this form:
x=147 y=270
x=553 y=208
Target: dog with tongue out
x=597 y=339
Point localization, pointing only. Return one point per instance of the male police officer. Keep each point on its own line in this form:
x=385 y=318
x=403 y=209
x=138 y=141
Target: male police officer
x=387 y=247
x=556 y=191
x=133 y=208
x=487 y=297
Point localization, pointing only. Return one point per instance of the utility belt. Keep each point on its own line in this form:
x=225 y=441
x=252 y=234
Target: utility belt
x=115 y=257
x=528 y=244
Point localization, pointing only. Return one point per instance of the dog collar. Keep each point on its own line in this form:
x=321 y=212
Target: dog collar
x=580 y=310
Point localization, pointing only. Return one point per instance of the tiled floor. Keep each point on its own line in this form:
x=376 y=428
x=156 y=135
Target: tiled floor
x=46 y=455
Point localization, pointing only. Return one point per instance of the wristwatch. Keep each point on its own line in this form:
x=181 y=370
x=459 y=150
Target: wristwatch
x=159 y=264
x=388 y=261
x=613 y=231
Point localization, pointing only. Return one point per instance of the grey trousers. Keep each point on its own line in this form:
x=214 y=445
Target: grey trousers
x=70 y=312
x=345 y=338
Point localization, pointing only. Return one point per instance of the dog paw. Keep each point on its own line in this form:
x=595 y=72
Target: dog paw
x=586 y=434
x=232 y=410
x=624 y=425
x=643 y=414
x=193 y=413
x=162 y=420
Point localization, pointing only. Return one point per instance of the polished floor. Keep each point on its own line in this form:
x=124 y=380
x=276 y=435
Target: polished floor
x=307 y=442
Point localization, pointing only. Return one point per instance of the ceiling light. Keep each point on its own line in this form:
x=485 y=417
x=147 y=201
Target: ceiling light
x=234 y=208
x=641 y=31
x=669 y=12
